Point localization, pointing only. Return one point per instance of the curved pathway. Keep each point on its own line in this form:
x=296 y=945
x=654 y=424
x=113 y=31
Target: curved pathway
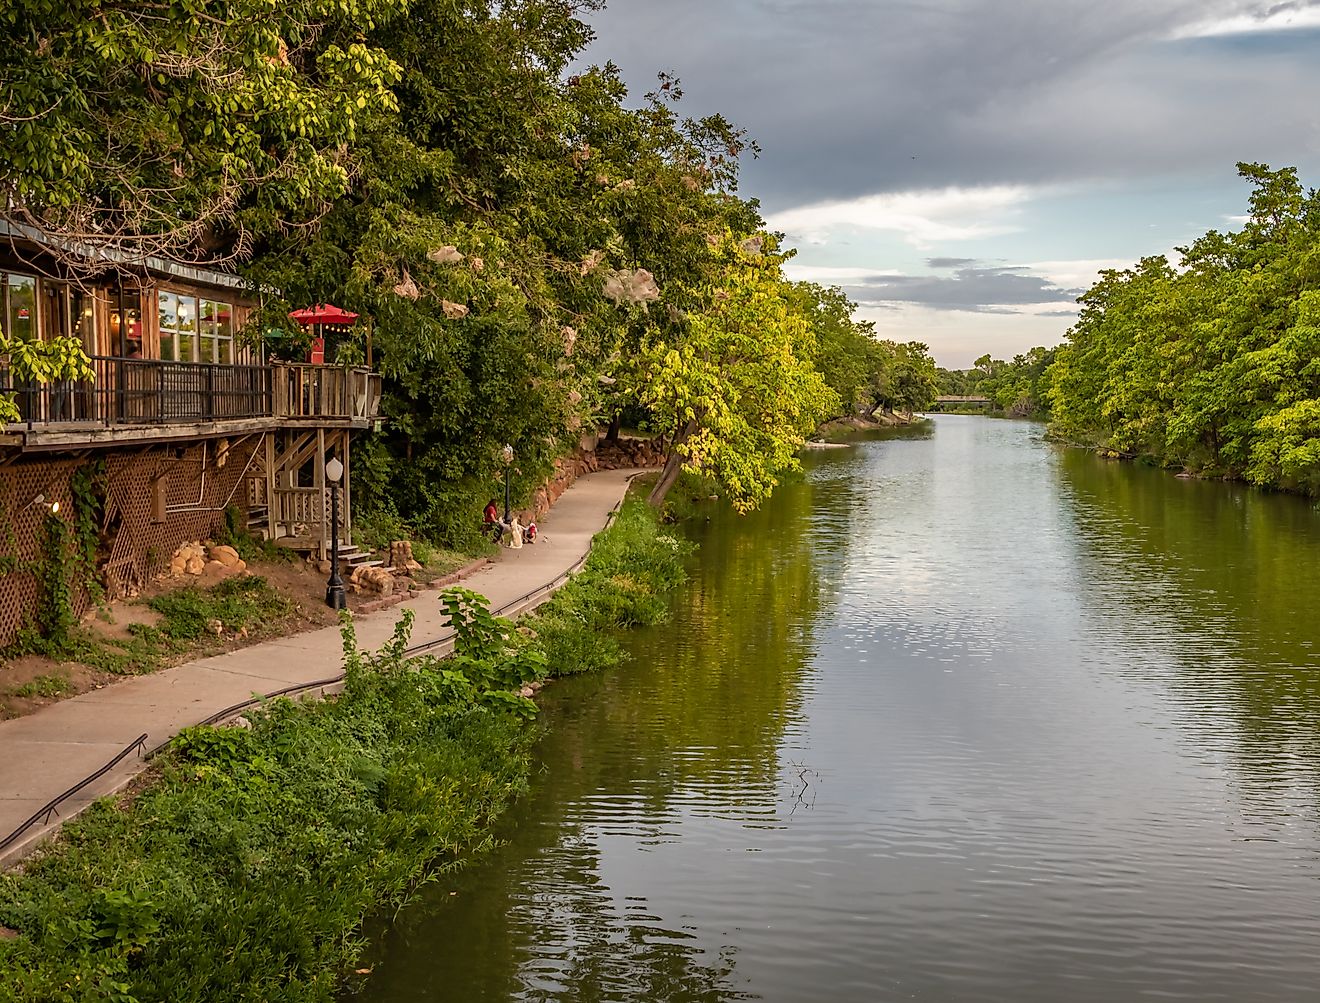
x=46 y=753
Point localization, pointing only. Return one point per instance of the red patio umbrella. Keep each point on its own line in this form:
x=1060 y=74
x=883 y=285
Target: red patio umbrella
x=322 y=314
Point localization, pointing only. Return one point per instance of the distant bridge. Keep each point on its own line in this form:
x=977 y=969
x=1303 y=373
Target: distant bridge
x=944 y=403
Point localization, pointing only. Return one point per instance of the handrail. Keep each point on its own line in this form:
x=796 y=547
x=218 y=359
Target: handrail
x=51 y=805
x=138 y=391
x=140 y=741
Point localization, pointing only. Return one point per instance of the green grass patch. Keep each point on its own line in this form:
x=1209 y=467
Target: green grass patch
x=189 y=618
x=242 y=602
x=631 y=566
x=50 y=685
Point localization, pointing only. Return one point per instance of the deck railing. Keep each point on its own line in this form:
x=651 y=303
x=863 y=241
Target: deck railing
x=158 y=392
x=307 y=391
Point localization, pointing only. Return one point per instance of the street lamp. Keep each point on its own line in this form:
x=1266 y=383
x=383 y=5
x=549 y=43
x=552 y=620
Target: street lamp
x=335 y=596
x=507 y=454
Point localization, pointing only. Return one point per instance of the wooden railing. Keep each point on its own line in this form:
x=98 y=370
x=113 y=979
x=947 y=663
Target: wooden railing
x=144 y=392
x=299 y=505
x=158 y=392
x=306 y=391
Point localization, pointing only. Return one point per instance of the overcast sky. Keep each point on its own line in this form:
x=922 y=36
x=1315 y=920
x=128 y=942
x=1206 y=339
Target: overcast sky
x=963 y=167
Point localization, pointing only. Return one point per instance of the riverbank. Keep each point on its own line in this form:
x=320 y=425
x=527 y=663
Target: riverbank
x=867 y=422
x=242 y=864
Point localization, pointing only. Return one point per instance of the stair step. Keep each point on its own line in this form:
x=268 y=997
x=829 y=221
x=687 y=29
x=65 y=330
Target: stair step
x=365 y=564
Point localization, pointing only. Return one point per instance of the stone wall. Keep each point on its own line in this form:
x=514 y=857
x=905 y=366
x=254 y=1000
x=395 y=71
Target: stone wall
x=593 y=455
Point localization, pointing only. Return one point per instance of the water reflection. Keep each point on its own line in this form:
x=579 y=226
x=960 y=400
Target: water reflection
x=1211 y=590
x=958 y=718
x=648 y=773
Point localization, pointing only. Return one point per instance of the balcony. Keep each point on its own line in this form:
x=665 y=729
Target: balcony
x=135 y=399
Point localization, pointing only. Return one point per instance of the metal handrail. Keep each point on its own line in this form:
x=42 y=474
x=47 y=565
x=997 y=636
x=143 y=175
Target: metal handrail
x=238 y=708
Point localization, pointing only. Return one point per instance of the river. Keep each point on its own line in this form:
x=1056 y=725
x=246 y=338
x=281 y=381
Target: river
x=962 y=716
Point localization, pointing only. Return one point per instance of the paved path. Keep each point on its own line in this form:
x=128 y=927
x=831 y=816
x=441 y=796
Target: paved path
x=48 y=752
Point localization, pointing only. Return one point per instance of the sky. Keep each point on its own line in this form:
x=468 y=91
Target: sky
x=963 y=168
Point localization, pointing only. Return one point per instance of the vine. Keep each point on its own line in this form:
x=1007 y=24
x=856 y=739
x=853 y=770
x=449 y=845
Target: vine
x=88 y=488
x=55 y=619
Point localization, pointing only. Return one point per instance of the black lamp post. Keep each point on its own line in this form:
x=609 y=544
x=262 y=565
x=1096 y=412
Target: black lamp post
x=507 y=454
x=335 y=596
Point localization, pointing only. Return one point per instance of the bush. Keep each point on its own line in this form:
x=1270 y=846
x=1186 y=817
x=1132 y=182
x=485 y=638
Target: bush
x=243 y=870
x=241 y=602
x=632 y=565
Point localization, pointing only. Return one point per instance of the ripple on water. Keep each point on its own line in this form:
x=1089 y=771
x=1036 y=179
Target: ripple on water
x=963 y=718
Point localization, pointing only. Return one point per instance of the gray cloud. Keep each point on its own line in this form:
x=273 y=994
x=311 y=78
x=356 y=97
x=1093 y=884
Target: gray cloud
x=850 y=97
x=979 y=289
x=949 y=262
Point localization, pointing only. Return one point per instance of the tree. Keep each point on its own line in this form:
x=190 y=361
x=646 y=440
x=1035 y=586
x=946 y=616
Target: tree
x=735 y=394
x=181 y=129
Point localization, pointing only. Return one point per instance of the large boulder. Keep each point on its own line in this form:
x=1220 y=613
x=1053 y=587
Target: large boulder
x=226 y=555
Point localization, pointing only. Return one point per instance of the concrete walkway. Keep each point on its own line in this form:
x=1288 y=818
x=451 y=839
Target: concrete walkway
x=46 y=753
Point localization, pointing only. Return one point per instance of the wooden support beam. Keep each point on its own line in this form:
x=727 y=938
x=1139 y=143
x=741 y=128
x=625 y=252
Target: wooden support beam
x=271 y=523
x=318 y=468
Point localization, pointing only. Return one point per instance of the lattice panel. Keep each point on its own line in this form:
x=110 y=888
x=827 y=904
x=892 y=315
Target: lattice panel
x=200 y=481
x=21 y=536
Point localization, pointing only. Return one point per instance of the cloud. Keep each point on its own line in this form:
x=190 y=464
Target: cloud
x=958 y=337
x=922 y=218
x=949 y=262
x=893 y=96
x=1279 y=17
x=830 y=276
x=974 y=289
x=1082 y=273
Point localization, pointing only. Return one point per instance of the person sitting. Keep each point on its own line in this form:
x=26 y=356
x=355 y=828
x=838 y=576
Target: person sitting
x=491 y=522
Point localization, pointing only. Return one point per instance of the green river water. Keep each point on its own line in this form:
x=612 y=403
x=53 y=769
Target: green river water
x=962 y=716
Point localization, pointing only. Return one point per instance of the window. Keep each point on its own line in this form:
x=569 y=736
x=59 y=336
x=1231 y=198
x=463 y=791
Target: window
x=178 y=327
x=18 y=312
x=217 y=332
x=196 y=330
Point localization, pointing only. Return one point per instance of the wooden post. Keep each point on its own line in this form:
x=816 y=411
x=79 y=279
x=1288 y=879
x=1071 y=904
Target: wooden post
x=271 y=523
x=319 y=474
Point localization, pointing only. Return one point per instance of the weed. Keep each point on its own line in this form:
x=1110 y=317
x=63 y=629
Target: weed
x=45 y=686
x=238 y=603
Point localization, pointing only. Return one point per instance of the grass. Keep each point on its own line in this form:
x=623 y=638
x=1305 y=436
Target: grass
x=189 y=620
x=623 y=583
x=245 y=867
x=50 y=685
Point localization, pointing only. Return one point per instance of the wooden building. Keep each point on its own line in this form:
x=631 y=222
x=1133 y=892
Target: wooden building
x=184 y=419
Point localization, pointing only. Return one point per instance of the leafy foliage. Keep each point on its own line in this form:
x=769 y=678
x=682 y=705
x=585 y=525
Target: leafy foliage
x=179 y=128
x=1214 y=367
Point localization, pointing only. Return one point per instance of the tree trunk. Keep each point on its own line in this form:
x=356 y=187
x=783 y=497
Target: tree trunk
x=673 y=467
x=615 y=424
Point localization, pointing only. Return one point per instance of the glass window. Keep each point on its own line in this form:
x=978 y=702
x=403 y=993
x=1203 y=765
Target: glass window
x=19 y=315
x=178 y=327
x=84 y=319
x=187 y=329
x=169 y=325
x=217 y=331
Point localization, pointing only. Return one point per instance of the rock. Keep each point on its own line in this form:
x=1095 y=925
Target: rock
x=227 y=556
x=215 y=627
x=214 y=568
x=194 y=566
x=240 y=566
x=527 y=691
x=177 y=564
